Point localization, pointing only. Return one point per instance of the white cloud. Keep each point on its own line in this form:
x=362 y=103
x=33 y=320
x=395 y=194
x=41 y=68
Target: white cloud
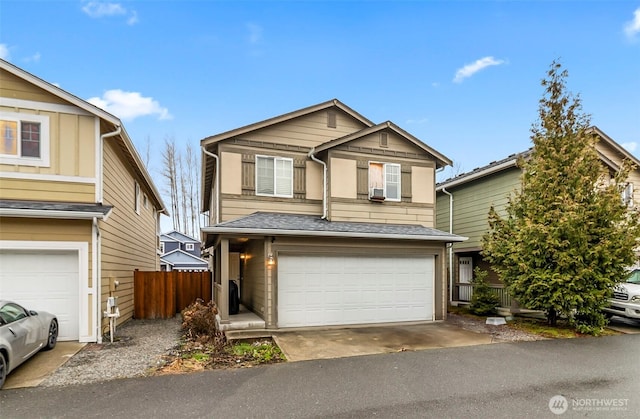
x=34 y=58
x=631 y=146
x=99 y=9
x=129 y=105
x=255 y=33
x=470 y=69
x=4 y=51
x=632 y=28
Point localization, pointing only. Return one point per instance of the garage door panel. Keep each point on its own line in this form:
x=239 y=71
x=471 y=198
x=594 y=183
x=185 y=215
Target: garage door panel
x=353 y=290
x=46 y=280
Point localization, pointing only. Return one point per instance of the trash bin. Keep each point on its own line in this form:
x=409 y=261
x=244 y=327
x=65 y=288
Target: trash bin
x=234 y=300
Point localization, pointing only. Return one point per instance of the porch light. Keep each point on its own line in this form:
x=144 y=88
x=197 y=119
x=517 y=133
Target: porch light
x=270 y=260
x=243 y=256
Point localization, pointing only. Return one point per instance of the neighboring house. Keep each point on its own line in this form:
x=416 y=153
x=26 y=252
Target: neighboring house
x=181 y=253
x=78 y=210
x=472 y=194
x=325 y=218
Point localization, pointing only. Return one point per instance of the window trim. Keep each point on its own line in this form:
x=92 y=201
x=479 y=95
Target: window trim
x=137 y=197
x=189 y=246
x=384 y=178
x=162 y=247
x=275 y=183
x=627 y=195
x=45 y=140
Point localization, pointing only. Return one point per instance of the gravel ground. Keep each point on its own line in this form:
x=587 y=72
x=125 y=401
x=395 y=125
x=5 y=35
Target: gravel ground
x=138 y=348
x=141 y=347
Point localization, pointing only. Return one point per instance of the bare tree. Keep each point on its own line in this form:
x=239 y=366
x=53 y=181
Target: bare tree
x=170 y=173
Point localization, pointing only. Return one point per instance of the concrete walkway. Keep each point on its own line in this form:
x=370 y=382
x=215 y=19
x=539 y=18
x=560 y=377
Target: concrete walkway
x=338 y=343
x=36 y=369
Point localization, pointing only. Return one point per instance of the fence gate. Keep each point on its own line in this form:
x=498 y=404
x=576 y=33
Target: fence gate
x=160 y=295
x=466 y=276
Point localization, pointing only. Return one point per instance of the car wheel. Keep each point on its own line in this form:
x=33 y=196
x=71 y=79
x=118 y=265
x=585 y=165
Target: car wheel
x=53 y=335
x=3 y=369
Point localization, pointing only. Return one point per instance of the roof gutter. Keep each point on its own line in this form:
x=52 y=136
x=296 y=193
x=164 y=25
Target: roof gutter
x=216 y=181
x=350 y=234
x=473 y=176
x=65 y=215
x=324 y=181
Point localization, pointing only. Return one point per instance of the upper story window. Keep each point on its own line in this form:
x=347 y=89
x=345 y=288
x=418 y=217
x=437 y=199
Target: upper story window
x=162 y=247
x=384 y=181
x=627 y=195
x=24 y=139
x=274 y=176
x=188 y=246
x=137 y=197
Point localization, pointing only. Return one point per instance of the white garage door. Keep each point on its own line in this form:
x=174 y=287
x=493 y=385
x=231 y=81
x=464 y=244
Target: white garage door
x=44 y=280
x=333 y=290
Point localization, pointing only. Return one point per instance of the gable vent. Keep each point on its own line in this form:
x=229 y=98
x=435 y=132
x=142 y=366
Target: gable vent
x=383 y=140
x=331 y=119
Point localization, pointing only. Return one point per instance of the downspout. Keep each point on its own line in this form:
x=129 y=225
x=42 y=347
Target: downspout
x=97 y=273
x=324 y=181
x=101 y=162
x=450 y=245
x=216 y=181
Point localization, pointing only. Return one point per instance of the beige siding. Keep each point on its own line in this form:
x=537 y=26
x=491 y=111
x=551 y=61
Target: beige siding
x=382 y=212
x=617 y=158
x=28 y=189
x=253 y=290
x=14 y=87
x=343 y=178
x=307 y=131
x=239 y=206
x=128 y=239
x=231 y=173
x=314 y=180
x=394 y=143
x=422 y=185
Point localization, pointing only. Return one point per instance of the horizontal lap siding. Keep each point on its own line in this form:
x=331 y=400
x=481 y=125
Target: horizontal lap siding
x=15 y=87
x=233 y=207
x=253 y=288
x=307 y=131
x=128 y=239
x=27 y=189
x=382 y=213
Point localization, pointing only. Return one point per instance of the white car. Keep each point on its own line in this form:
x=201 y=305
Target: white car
x=626 y=298
x=22 y=334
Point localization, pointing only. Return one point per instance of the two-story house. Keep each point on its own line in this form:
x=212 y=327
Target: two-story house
x=326 y=219
x=463 y=204
x=180 y=252
x=78 y=210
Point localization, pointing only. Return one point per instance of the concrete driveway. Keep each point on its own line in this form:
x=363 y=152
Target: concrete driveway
x=337 y=343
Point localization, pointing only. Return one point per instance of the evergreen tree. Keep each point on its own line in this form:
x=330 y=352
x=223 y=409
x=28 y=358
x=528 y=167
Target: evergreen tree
x=566 y=236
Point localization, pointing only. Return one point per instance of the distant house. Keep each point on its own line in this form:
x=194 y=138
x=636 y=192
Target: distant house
x=180 y=252
x=78 y=210
x=324 y=218
x=463 y=204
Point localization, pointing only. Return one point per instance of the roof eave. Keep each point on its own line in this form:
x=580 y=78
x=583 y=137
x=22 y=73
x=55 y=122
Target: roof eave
x=478 y=175
x=57 y=214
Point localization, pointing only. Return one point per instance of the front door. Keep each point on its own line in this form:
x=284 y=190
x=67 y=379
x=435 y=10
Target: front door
x=466 y=276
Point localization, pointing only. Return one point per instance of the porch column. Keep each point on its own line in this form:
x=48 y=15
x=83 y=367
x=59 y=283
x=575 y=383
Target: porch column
x=223 y=303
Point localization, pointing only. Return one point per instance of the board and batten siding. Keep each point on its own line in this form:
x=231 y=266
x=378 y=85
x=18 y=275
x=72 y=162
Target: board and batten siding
x=129 y=239
x=471 y=203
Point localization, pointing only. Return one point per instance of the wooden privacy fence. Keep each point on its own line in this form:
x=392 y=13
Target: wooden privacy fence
x=160 y=295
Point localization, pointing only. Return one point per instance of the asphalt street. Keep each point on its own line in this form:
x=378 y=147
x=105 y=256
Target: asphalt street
x=584 y=377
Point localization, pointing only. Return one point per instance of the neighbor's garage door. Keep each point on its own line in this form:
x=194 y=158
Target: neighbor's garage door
x=44 y=280
x=335 y=290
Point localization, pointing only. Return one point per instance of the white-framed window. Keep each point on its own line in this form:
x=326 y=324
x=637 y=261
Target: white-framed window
x=274 y=176
x=162 y=247
x=627 y=195
x=145 y=201
x=137 y=197
x=384 y=181
x=24 y=139
x=188 y=246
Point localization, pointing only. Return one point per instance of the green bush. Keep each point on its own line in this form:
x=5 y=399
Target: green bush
x=483 y=301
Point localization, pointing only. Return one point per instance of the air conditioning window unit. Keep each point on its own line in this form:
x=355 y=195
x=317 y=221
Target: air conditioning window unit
x=377 y=194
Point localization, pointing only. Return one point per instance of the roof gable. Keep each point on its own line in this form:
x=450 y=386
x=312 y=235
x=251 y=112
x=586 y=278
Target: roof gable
x=180 y=257
x=181 y=237
x=441 y=160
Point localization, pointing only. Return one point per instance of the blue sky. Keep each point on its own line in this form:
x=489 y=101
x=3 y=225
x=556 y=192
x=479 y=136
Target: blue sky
x=464 y=77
